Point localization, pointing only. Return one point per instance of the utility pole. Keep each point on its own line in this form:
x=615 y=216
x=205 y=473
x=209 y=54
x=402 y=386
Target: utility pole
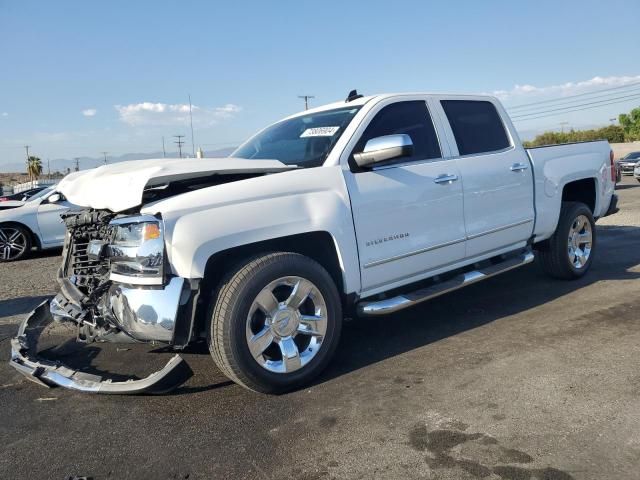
x=77 y=160
x=306 y=99
x=179 y=142
x=26 y=147
x=164 y=153
x=193 y=145
x=562 y=124
x=48 y=170
x=105 y=157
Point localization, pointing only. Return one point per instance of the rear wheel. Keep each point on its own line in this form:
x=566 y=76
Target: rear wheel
x=275 y=322
x=15 y=243
x=570 y=249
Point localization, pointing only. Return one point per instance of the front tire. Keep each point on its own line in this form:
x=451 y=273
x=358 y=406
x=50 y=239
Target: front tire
x=275 y=322
x=569 y=252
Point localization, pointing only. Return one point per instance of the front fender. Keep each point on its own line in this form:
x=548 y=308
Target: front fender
x=260 y=209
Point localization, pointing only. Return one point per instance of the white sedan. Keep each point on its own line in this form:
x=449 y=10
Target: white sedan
x=36 y=223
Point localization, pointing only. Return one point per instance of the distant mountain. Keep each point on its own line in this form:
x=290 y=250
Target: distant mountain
x=61 y=164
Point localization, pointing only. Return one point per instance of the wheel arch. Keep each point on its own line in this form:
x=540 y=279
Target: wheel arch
x=318 y=245
x=583 y=190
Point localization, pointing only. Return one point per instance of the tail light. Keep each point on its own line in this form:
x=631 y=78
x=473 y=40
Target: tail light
x=613 y=167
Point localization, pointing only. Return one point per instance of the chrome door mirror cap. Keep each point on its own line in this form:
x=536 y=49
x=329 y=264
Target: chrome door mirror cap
x=385 y=148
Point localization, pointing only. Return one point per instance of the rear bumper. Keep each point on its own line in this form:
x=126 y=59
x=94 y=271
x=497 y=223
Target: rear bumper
x=49 y=373
x=613 y=206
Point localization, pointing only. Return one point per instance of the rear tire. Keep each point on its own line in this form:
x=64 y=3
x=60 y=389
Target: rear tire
x=569 y=252
x=275 y=322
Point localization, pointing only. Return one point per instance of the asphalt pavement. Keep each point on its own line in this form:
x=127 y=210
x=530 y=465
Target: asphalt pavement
x=518 y=377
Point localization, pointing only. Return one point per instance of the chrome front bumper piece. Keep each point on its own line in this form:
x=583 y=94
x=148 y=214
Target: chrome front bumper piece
x=52 y=373
x=147 y=314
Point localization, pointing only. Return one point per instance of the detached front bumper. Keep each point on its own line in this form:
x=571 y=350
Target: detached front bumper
x=50 y=373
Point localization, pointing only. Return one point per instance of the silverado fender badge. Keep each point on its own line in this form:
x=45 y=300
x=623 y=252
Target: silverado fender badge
x=395 y=236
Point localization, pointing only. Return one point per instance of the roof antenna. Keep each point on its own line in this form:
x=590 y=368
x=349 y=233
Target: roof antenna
x=353 y=95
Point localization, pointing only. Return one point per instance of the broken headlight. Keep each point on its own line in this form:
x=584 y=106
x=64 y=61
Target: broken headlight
x=136 y=252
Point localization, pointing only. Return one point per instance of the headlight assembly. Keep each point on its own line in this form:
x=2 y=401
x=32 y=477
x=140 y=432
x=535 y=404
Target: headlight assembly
x=136 y=252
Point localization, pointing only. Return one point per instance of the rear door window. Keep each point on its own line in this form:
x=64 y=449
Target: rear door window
x=477 y=126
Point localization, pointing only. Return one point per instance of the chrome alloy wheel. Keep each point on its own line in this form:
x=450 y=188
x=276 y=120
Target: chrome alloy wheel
x=286 y=324
x=579 y=243
x=13 y=243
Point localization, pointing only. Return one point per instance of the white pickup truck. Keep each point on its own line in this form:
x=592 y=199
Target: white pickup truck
x=361 y=207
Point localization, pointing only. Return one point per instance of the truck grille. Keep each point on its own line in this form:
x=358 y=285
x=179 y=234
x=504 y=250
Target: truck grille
x=80 y=268
x=84 y=226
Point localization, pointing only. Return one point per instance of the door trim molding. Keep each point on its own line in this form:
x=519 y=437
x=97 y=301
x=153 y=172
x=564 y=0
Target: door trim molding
x=499 y=229
x=411 y=254
x=376 y=263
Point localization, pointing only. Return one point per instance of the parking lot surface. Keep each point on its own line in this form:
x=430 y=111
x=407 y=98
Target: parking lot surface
x=518 y=377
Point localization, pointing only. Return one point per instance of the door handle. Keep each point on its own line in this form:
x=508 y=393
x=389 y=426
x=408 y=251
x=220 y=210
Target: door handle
x=446 y=178
x=518 y=167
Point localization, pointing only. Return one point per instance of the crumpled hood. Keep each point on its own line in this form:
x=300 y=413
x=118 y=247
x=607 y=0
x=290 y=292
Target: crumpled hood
x=120 y=186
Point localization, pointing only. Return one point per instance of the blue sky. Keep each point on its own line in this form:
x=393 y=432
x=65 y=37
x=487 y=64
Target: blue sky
x=81 y=77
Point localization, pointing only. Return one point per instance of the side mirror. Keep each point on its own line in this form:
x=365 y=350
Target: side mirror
x=54 y=198
x=381 y=149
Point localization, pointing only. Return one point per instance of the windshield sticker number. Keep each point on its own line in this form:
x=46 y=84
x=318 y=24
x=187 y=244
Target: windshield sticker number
x=320 y=132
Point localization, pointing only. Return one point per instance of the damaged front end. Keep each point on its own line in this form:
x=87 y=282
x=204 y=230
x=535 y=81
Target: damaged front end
x=115 y=287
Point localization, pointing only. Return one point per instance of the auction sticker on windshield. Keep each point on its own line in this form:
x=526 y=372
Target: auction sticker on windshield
x=320 y=132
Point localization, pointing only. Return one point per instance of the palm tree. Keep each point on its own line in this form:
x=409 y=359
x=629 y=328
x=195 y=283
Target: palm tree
x=34 y=168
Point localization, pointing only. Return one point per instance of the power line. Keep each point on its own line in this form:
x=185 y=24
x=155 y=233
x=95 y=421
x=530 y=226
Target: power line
x=522 y=119
x=306 y=100
x=179 y=142
x=607 y=96
x=575 y=96
x=635 y=95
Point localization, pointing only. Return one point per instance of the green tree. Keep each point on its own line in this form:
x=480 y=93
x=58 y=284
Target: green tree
x=612 y=133
x=34 y=168
x=631 y=124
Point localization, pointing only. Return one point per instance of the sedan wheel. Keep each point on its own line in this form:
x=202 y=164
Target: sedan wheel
x=14 y=243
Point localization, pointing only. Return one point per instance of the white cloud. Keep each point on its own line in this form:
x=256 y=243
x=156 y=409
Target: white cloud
x=565 y=89
x=89 y=112
x=154 y=114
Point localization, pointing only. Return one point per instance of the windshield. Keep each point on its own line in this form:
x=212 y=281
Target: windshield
x=632 y=156
x=40 y=194
x=305 y=140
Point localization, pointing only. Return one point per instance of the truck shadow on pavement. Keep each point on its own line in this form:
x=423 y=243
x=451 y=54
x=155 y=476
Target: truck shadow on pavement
x=20 y=305
x=366 y=341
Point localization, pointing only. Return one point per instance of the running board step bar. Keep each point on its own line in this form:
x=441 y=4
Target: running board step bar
x=391 y=305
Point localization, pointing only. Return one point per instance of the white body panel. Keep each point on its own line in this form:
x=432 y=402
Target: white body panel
x=556 y=166
x=201 y=223
x=488 y=210
x=498 y=189
x=120 y=186
x=42 y=218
